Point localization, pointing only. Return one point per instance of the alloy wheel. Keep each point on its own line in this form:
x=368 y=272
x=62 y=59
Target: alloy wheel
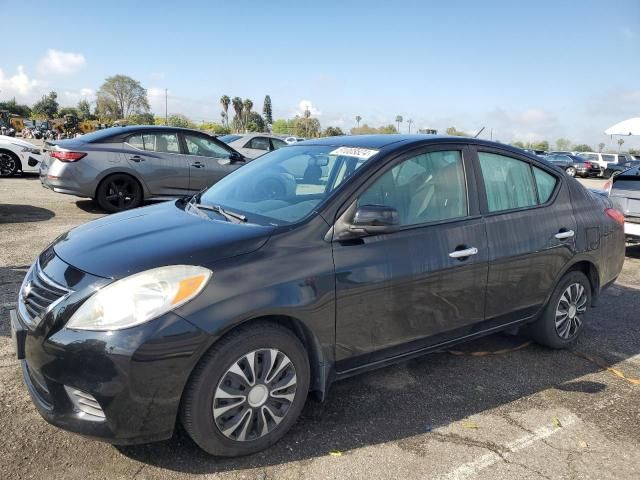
x=121 y=193
x=254 y=395
x=571 y=306
x=571 y=171
x=7 y=165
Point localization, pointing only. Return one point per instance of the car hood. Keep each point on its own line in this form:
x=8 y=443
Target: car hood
x=130 y=242
x=15 y=141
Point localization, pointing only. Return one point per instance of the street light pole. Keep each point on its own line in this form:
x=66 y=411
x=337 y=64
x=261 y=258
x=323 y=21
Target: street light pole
x=166 y=118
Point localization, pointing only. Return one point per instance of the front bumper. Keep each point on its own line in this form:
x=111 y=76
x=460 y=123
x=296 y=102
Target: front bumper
x=136 y=375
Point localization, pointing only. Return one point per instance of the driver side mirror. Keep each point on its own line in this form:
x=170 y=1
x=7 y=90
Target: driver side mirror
x=234 y=157
x=373 y=219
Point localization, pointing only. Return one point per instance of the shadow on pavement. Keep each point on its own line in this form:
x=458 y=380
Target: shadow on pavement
x=89 y=206
x=400 y=403
x=10 y=281
x=10 y=213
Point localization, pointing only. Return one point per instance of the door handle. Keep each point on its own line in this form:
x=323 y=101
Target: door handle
x=197 y=165
x=564 y=235
x=467 y=252
x=137 y=158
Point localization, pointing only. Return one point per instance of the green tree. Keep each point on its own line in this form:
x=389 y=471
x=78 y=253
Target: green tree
x=120 y=96
x=281 y=127
x=563 y=144
x=267 y=113
x=47 y=106
x=254 y=122
x=600 y=146
x=387 y=129
x=68 y=111
x=15 y=108
x=399 y=120
x=620 y=142
x=358 y=118
x=367 y=130
x=457 y=133
x=179 y=120
x=143 y=119
x=518 y=144
x=215 y=128
x=332 y=132
x=236 y=102
x=84 y=110
x=542 y=145
x=247 y=105
x=583 y=147
x=225 y=101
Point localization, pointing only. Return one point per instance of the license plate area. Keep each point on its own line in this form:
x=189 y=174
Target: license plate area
x=18 y=334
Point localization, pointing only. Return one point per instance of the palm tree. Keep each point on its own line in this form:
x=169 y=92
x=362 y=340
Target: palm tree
x=399 y=120
x=409 y=122
x=237 y=107
x=248 y=105
x=307 y=115
x=225 y=121
x=358 y=118
x=620 y=142
x=225 y=101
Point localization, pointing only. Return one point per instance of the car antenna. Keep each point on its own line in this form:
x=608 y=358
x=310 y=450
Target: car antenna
x=479 y=132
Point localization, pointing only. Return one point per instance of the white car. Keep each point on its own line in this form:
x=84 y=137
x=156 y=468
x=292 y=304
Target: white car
x=604 y=159
x=291 y=140
x=254 y=144
x=18 y=156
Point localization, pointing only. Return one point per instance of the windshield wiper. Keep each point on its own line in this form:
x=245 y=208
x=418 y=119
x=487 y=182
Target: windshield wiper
x=230 y=216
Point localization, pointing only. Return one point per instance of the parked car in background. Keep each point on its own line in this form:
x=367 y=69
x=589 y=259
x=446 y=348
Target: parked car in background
x=615 y=168
x=228 y=138
x=574 y=165
x=624 y=191
x=120 y=167
x=224 y=311
x=604 y=159
x=255 y=144
x=17 y=155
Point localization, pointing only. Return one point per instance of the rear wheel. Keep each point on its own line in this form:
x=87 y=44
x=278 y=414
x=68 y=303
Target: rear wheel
x=9 y=164
x=119 y=192
x=571 y=171
x=562 y=321
x=247 y=391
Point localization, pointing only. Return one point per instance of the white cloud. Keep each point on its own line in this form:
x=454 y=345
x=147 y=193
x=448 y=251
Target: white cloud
x=72 y=97
x=63 y=63
x=157 y=75
x=19 y=84
x=304 y=105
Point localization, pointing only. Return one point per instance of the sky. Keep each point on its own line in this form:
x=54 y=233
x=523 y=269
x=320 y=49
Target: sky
x=524 y=70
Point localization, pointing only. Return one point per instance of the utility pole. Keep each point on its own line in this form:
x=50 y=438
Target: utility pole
x=166 y=117
x=409 y=122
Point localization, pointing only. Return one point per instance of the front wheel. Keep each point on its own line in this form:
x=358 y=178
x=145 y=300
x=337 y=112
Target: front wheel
x=9 y=164
x=562 y=320
x=247 y=391
x=571 y=171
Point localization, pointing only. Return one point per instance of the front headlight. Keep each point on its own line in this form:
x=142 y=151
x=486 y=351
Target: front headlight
x=140 y=298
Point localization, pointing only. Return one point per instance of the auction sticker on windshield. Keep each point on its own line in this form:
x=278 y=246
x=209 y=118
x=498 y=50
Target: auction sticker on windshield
x=354 y=152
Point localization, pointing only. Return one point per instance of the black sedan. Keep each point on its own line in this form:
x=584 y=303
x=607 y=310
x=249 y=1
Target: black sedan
x=317 y=261
x=616 y=168
x=574 y=165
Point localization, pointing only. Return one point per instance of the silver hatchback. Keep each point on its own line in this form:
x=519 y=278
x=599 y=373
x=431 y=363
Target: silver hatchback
x=121 y=167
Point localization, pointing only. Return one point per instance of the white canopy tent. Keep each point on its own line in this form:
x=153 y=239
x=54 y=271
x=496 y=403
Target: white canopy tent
x=630 y=126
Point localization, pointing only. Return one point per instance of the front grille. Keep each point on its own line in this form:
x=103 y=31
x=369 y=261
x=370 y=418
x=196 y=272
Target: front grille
x=40 y=292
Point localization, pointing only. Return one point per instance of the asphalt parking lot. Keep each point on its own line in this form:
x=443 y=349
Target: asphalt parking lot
x=526 y=412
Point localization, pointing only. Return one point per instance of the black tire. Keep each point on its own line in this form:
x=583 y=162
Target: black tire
x=9 y=163
x=544 y=329
x=119 y=192
x=197 y=408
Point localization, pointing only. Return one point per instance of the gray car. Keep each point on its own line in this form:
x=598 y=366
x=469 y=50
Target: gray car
x=253 y=145
x=121 y=167
x=624 y=190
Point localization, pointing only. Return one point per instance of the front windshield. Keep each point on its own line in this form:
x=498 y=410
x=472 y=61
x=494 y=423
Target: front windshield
x=285 y=185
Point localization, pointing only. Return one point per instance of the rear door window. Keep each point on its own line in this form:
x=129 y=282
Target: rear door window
x=161 y=142
x=258 y=143
x=508 y=182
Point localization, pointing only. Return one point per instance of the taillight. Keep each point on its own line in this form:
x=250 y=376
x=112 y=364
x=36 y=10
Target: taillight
x=616 y=215
x=587 y=164
x=67 y=156
x=608 y=186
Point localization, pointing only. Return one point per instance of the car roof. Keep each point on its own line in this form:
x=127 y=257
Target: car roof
x=109 y=135
x=397 y=140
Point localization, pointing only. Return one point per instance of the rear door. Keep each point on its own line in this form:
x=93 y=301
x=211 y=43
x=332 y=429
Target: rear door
x=208 y=160
x=401 y=291
x=530 y=232
x=157 y=157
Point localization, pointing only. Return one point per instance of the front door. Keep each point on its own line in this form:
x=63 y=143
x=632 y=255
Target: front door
x=530 y=230
x=208 y=162
x=157 y=158
x=402 y=291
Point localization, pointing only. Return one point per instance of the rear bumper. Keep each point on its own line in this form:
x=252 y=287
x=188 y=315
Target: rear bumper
x=60 y=184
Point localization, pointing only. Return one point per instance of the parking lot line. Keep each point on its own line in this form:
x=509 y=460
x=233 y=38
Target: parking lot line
x=470 y=469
